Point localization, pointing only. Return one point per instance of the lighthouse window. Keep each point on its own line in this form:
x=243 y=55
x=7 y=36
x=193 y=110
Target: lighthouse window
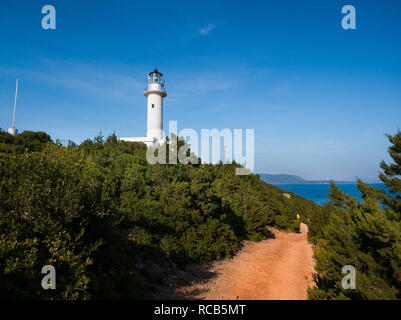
x=153 y=105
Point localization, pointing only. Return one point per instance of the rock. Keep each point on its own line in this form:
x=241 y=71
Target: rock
x=160 y=260
x=153 y=271
x=174 y=267
x=181 y=274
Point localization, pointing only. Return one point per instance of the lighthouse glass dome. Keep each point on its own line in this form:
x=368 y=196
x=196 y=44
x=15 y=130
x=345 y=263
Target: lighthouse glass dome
x=155 y=81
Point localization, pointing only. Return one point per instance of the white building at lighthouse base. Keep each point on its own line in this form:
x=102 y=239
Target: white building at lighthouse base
x=149 y=141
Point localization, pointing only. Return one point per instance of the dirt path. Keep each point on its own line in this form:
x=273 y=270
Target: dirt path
x=274 y=269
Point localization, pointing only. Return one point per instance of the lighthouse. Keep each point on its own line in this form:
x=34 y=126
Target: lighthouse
x=155 y=92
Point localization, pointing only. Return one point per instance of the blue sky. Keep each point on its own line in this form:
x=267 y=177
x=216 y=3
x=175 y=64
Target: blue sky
x=320 y=98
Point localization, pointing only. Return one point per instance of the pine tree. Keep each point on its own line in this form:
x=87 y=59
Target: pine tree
x=366 y=235
x=391 y=174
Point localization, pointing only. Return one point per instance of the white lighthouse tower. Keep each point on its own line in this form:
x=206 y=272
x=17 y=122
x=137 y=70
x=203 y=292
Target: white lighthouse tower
x=155 y=92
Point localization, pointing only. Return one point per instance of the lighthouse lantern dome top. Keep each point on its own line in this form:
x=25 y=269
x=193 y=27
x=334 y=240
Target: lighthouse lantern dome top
x=155 y=83
x=156 y=73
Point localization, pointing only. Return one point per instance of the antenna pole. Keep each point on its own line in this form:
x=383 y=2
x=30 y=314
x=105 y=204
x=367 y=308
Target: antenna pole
x=15 y=102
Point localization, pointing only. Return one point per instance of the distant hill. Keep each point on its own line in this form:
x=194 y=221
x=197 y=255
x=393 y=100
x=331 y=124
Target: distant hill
x=293 y=179
x=281 y=178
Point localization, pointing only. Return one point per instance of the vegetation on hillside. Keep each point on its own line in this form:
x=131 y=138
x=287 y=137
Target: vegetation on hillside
x=366 y=235
x=97 y=210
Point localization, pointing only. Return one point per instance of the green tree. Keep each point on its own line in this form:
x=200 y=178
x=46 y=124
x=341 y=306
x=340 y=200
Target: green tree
x=366 y=235
x=32 y=141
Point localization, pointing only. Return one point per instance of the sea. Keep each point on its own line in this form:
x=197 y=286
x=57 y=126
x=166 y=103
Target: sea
x=318 y=192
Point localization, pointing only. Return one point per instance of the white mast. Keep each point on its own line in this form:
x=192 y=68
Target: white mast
x=12 y=130
x=15 y=102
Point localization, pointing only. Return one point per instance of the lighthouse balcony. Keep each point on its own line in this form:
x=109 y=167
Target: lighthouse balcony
x=155 y=88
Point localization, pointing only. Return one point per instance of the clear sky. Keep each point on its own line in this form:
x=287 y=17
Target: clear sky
x=320 y=98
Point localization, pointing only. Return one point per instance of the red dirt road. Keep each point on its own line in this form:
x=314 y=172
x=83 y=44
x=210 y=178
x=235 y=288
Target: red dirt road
x=274 y=269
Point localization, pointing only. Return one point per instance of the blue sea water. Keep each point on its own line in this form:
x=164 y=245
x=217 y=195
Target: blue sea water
x=318 y=192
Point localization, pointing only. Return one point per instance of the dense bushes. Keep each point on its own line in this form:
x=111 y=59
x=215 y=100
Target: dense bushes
x=95 y=210
x=26 y=141
x=366 y=235
x=55 y=210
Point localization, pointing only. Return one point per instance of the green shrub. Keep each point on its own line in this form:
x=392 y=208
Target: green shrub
x=95 y=210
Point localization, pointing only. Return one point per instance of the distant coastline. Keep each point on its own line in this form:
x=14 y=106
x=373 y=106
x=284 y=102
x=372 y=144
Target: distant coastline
x=278 y=179
x=319 y=192
x=320 y=182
